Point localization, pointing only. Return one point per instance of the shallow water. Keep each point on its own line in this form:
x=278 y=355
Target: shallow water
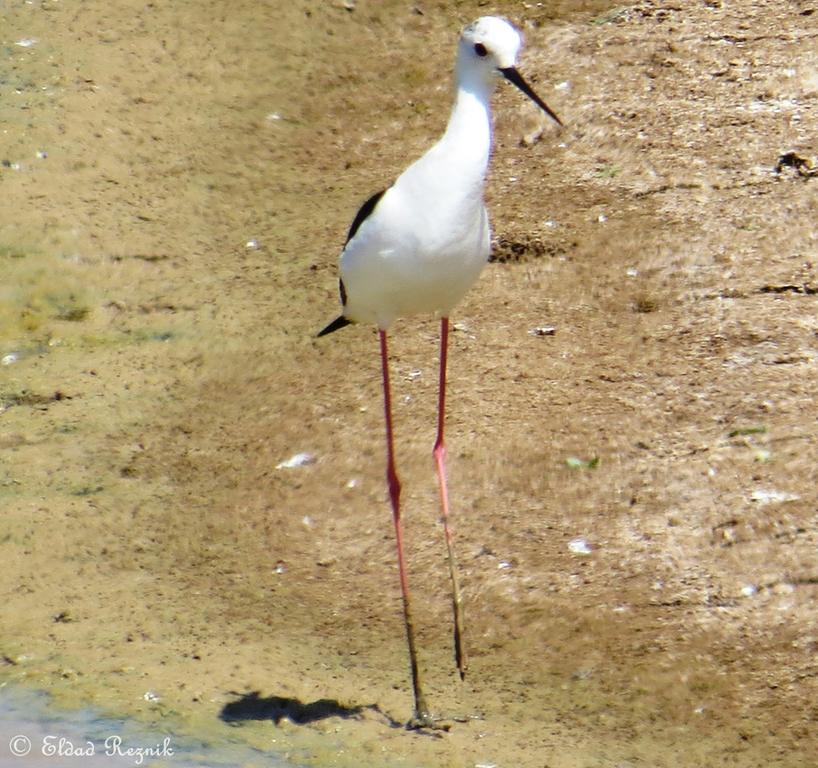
x=33 y=732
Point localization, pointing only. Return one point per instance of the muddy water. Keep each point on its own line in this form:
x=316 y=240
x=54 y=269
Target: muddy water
x=34 y=733
x=176 y=181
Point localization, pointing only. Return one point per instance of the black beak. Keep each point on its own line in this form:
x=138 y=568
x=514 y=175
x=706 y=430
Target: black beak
x=513 y=76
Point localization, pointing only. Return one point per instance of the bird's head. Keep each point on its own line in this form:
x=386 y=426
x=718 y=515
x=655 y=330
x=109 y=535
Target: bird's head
x=488 y=48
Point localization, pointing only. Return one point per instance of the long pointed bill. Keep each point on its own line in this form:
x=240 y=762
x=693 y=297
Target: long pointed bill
x=513 y=76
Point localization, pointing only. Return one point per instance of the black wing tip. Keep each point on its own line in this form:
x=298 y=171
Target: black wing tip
x=335 y=325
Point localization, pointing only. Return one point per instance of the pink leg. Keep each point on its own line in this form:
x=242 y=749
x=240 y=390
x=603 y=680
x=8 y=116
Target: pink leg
x=440 y=461
x=421 y=716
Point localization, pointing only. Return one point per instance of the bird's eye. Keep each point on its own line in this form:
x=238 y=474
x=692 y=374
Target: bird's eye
x=480 y=50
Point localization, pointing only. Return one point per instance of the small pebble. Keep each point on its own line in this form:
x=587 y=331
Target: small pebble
x=543 y=330
x=773 y=497
x=299 y=460
x=580 y=547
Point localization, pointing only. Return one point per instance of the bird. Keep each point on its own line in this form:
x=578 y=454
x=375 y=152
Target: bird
x=417 y=247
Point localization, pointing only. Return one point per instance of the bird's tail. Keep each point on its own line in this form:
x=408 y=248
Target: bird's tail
x=335 y=325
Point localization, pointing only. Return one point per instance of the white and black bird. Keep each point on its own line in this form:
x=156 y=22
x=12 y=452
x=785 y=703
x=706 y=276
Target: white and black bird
x=418 y=246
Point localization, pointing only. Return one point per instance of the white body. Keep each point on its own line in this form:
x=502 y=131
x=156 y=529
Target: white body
x=427 y=240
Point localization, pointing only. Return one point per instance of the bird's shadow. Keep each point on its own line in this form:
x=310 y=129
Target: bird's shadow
x=252 y=706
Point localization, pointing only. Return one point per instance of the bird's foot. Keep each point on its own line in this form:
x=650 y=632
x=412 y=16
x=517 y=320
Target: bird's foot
x=424 y=721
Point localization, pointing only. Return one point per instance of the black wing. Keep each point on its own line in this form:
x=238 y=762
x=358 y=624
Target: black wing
x=335 y=325
x=364 y=213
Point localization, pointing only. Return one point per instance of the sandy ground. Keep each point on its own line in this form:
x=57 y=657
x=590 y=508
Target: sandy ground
x=177 y=180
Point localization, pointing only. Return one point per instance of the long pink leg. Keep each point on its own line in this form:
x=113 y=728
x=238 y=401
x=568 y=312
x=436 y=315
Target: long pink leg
x=440 y=461
x=421 y=715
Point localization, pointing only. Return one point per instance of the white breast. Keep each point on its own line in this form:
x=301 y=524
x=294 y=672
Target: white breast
x=410 y=258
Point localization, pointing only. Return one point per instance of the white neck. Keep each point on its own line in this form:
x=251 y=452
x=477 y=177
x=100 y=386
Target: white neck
x=466 y=144
x=459 y=160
